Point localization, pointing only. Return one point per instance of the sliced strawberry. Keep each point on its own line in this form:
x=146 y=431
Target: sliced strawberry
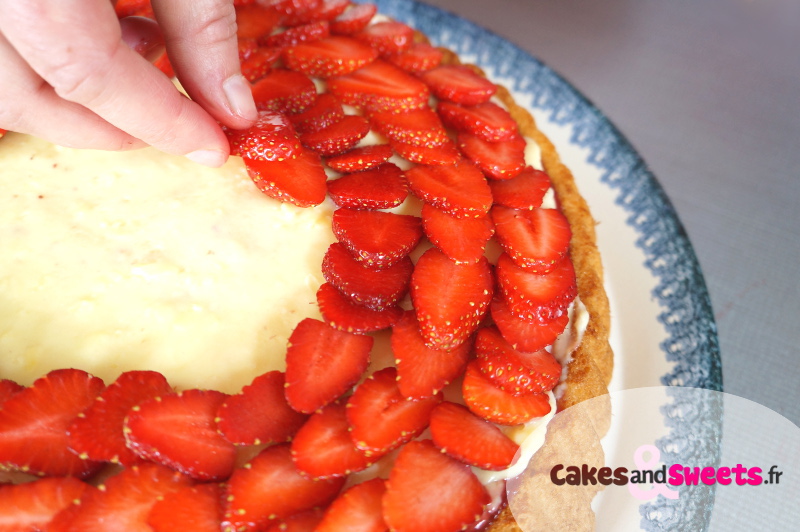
x=460 y=190
x=311 y=32
x=270 y=138
x=418 y=57
x=32 y=505
x=383 y=187
x=381 y=418
x=246 y=47
x=270 y=487
x=359 y=508
x=493 y=404
x=468 y=438
x=322 y=363
x=259 y=413
x=260 y=62
x=192 y=508
x=323 y=448
x=526 y=335
x=131 y=8
x=179 y=430
x=380 y=86
x=299 y=181
x=291 y=8
x=450 y=299
x=421 y=370
x=387 y=37
x=303 y=522
x=461 y=239
x=526 y=191
x=363 y=158
x=323 y=10
x=444 y=155
x=325 y=111
x=487 y=120
x=516 y=372
x=418 y=127
x=2 y=132
x=333 y=56
x=536 y=239
x=96 y=434
x=254 y=21
x=428 y=491
x=8 y=389
x=375 y=238
x=338 y=137
x=341 y=313
x=122 y=503
x=459 y=84
x=378 y=289
x=285 y=91
x=354 y=19
x=498 y=160
x=533 y=296
x=34 y=422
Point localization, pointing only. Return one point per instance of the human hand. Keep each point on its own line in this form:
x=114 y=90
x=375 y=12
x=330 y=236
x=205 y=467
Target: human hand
x=70 y=76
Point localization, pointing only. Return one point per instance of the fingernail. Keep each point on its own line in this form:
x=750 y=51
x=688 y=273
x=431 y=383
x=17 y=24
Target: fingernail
x=211 y=158
x=240 y=97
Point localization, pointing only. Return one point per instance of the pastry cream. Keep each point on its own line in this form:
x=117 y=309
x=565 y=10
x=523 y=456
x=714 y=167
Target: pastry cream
x=142 y=260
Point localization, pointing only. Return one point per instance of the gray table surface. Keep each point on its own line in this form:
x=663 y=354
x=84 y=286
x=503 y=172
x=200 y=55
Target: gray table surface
x=708 y=92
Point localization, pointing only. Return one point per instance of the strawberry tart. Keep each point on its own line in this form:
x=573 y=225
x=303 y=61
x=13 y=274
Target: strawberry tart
x=364 y=320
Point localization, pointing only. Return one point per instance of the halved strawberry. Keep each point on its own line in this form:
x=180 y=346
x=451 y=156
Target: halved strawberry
x=498 y=160
x=375 y=238
x=313 y=31
x=381 y=418
x=487 y=120
x=466 y=437
x=325 y=111
x=526 y=191
x=291 y=8
x=493 y=404
x=254 y=21
x=418 y=127
x=333 y=56
x=341 y=313
x=418 y=57
x=461 y=239
x=179 y=430
x=270 y=487
x=32 y=505
x=450 y=298
x=378 y=289
x=303 y=522
x=460 y=190
x=526 y=335
x=246 y=47
x=8 y=389
x=536 y=239
x=387 y=36
x=322 y=363
x=96 y=434
x=359 y=508
x=383 y=187
x=299 y=181
x=534 y=296
x=459 y=84
x=338 y=137
x=259 y=413
x=323 y=10
x=380 y=86
x=192 y=508
x=131 y=8
x=423 y=371
x=363 y=158
x=428 y=491
x=354 y=19
x=270 y=138
x=516 y=372
x=123 y=502
x=260 y=62
x=323 y=448
x=445 y=155
x=34 y=422
x=284 y=91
